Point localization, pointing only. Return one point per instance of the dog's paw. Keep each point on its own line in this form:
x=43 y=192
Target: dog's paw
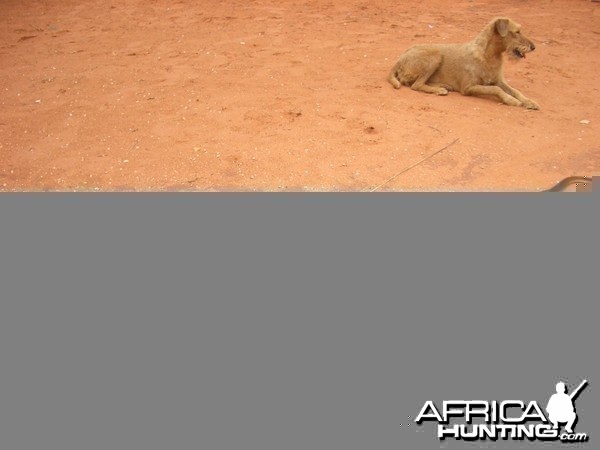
x=530 y=104
x=442 y=91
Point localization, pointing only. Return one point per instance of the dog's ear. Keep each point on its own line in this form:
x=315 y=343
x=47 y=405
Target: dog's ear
x=502 y=27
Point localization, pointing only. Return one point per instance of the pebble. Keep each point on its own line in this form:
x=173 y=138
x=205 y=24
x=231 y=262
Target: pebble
x=584 y=122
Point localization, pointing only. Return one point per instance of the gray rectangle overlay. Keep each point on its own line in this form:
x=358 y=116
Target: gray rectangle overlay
x=288 y=321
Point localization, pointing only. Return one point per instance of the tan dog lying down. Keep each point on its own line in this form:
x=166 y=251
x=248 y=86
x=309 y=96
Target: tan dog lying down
x=474 y=68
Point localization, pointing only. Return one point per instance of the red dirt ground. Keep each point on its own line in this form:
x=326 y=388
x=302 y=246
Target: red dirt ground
x=280 y=95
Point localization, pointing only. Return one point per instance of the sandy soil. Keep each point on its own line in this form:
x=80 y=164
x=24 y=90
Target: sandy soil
x=285 y=95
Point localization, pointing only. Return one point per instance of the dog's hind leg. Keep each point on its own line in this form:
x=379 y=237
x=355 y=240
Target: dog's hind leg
x=441 y=85
x=421 y=85
x=427 y=67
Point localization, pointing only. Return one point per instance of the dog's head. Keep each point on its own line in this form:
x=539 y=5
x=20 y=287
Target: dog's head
x=514 y=42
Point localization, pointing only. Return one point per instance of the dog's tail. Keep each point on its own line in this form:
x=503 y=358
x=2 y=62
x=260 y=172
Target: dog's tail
x=393 y=78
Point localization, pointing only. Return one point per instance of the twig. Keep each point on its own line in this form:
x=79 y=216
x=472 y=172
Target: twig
x=414 y=165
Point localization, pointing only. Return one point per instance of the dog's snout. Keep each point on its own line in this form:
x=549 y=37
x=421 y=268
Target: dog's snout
x=532 y=45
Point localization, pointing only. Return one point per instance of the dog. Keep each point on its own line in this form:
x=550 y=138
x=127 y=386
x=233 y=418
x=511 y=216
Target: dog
x=474 y=68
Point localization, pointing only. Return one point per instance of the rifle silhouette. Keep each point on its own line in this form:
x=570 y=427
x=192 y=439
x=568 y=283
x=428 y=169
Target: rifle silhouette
x=576 y=392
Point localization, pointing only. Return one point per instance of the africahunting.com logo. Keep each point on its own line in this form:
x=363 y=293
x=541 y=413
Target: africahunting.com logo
x=508 y=419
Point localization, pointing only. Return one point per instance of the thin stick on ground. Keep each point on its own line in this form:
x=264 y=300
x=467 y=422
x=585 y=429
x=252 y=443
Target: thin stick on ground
x=415 y=165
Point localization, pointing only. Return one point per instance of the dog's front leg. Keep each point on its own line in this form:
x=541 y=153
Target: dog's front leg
x=527 y=102
x=494 y=91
